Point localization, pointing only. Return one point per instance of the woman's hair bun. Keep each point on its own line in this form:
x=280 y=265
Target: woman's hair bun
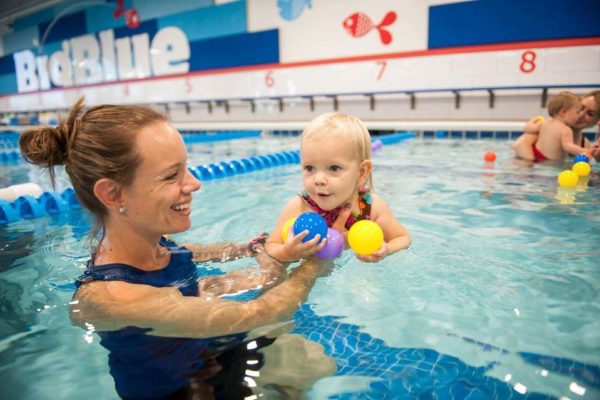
x=45 y=146
x=48 y=146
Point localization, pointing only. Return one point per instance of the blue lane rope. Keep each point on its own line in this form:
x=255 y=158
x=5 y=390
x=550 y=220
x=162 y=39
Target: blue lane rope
x=50 y=203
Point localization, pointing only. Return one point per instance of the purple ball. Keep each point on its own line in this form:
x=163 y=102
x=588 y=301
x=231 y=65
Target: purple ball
x=376 y=145
x=334 y=246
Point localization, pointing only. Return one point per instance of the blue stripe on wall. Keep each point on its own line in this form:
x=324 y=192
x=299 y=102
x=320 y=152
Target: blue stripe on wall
x=70 y=6
x=19 y=40
x=236 y=50
x=8 y=83
x=501 y=21
x=99 y=18
x=33 y=19
x=48 y=49
x=7 y=65
x=148 y=27
x=209 y=22
x=148 y=9
x=66 y=27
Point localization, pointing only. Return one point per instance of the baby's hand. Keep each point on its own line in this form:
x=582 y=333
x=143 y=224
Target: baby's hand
x=296 y=249
x=533 y=125
x=375 y=257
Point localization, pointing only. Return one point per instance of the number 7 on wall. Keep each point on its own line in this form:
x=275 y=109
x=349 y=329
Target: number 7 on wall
x=382 y=64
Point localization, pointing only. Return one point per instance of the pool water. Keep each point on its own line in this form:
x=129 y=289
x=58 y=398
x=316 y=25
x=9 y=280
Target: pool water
x=496 y=298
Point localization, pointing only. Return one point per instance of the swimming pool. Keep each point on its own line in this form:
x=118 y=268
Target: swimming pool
x=497 y=297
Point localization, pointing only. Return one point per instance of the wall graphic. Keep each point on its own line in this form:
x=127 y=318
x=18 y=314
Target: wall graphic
x=146 y=51
x=291 y=9
x=359 y=24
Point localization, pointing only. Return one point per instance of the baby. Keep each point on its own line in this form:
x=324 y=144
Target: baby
x=336 y=162
x=555 y=138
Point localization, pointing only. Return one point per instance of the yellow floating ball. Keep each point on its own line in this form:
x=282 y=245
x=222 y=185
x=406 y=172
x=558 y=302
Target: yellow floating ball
x=568 y=178
x=539 y=119
x=365 y=237
x=286 y=228
x=582 y=168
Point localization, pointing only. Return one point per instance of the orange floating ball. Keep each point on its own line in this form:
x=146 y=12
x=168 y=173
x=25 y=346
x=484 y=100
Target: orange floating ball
x=489 y=156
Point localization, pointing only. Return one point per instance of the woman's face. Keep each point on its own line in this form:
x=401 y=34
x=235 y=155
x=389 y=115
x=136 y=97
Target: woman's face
x=159 y=200
x=590 y=115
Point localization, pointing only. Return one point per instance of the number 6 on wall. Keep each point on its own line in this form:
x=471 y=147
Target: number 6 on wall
x=269 y=80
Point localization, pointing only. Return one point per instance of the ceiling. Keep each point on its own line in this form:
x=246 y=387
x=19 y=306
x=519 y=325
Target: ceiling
x=10 y=9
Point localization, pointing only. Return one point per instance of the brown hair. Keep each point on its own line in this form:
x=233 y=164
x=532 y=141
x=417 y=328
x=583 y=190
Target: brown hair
x=98 y=143
x=560 y=101
x=596 y=95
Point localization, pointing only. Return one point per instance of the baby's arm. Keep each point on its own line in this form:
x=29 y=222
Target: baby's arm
x=293 y=248
x=524 y=143
x=533 y=125
x=566 y=141
x=395 y=235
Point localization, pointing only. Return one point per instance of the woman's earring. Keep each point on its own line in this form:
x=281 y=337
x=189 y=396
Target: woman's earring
x=121 y=210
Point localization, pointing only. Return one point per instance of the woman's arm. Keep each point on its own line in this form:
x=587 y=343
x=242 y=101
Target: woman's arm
x=111 y=305
x=222 y=252
x=269 y=273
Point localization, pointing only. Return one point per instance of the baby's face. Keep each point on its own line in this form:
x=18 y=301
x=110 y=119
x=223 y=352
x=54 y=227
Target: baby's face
x=571 y=115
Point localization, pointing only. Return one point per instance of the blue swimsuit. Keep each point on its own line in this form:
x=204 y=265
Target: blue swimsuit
x=145 y=366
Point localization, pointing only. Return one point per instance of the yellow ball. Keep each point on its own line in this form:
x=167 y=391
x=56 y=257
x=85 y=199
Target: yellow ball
x=539 y=119
x=582 y=168
x=286 y=228
x=365 y=237
x=567 y=178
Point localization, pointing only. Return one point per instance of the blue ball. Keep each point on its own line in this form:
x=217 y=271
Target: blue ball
x=313 y=223
x=581 y=157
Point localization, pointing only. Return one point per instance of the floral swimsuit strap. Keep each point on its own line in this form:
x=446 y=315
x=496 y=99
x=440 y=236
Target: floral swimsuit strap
x=364 y=203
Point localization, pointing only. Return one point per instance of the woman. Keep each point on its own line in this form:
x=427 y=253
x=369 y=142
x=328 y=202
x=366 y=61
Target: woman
x=140 y=291
x=589 y=117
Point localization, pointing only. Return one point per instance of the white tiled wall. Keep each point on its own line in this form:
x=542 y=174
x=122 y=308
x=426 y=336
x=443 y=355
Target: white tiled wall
x=566 y=66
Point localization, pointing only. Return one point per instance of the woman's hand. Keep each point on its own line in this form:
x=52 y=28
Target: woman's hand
x=595 y=151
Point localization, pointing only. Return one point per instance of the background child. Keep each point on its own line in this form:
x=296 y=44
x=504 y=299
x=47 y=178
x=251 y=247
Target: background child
x=552 y=139
x=336 y=161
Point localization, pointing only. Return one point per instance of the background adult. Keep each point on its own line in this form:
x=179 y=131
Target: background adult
x=590 y=117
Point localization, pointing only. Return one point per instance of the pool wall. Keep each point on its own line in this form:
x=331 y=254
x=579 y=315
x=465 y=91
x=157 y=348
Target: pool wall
x=406 y=63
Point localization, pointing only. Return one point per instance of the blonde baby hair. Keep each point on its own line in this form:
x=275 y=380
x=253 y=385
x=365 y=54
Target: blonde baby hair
x=347 y=128
x=560 y=101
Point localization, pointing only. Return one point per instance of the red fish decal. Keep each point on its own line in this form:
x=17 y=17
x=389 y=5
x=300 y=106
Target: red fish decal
x=359 y=24
x=131 y=16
